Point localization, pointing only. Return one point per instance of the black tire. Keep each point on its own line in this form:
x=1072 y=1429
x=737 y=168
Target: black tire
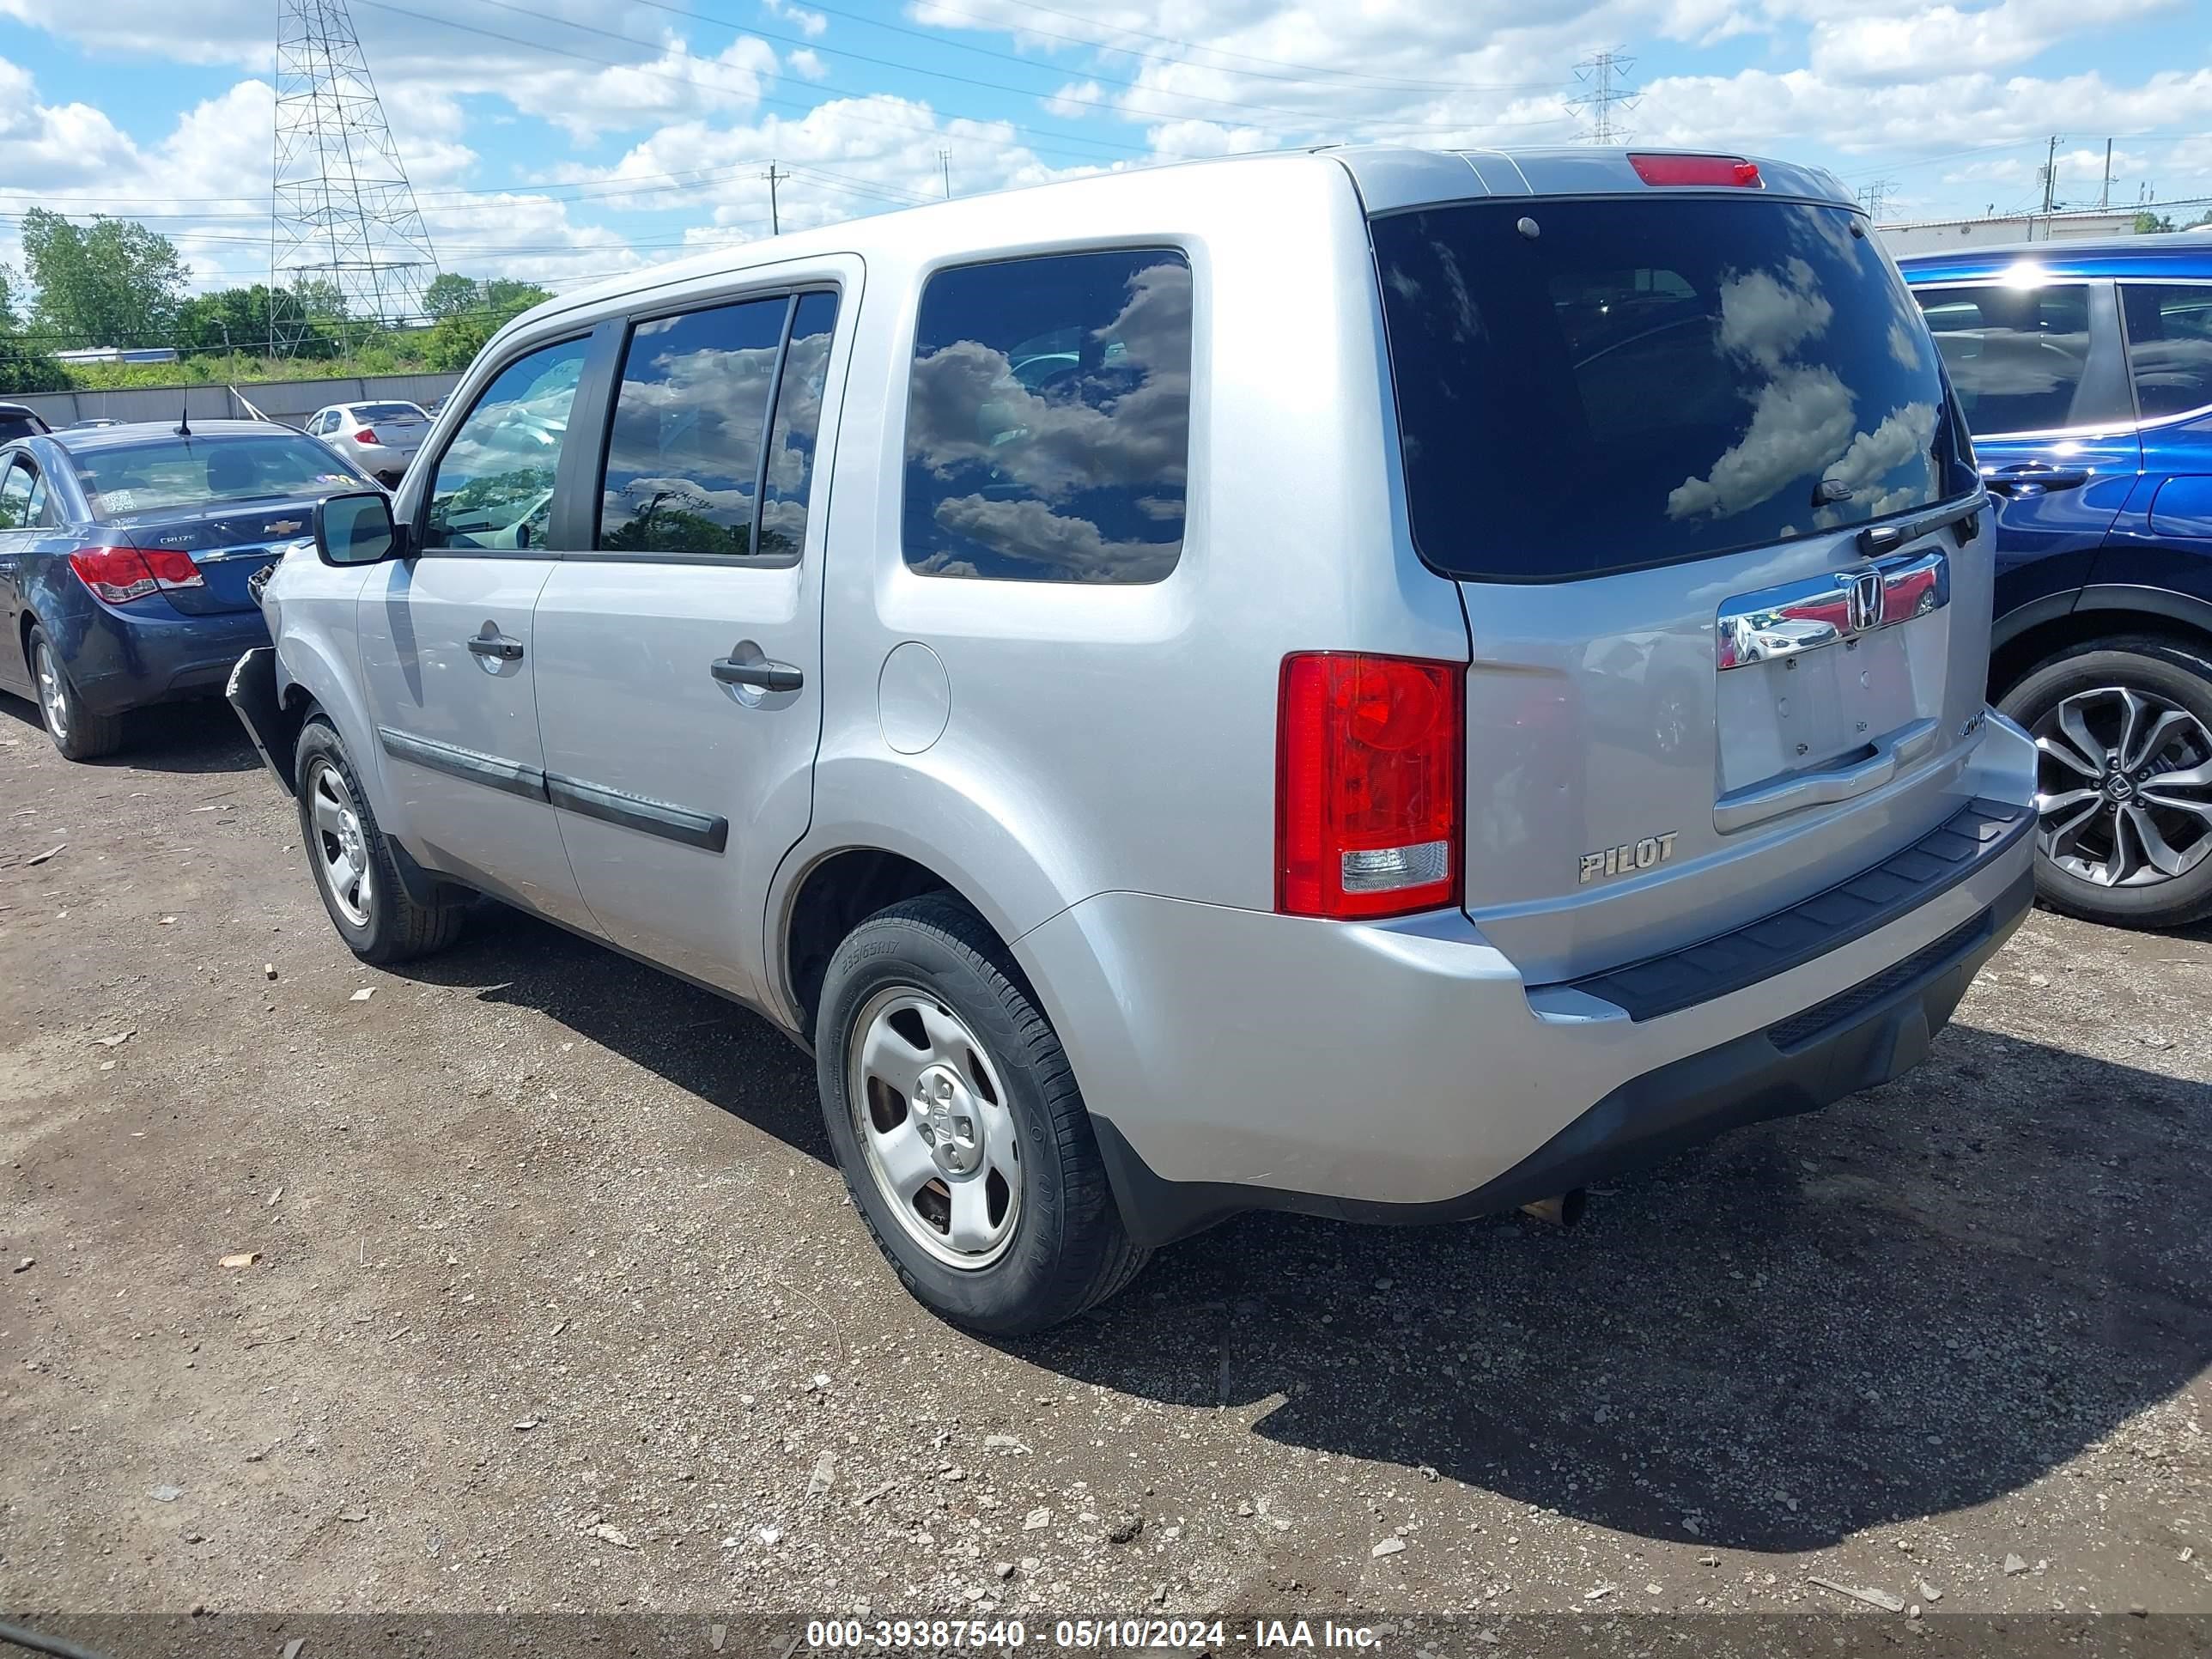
x=77 y=733
x=2174 y=673
x=394 y=927
x=1068 y=1250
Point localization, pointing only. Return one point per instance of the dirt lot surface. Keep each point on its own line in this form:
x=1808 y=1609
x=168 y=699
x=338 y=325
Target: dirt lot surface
x=556 y=1305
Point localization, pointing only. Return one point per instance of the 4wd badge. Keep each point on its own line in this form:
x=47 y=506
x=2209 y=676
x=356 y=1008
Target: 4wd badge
x=1627 y=859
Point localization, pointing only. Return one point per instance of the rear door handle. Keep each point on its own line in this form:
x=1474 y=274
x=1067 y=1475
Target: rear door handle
x=2035 y=476
x=499 y=647
x=759 y=676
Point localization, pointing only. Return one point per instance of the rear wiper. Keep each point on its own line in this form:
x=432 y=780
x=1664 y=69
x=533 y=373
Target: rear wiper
x=1877 y=540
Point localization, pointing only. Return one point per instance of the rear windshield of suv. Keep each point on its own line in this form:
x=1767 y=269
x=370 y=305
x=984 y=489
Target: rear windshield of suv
x=1590 y=386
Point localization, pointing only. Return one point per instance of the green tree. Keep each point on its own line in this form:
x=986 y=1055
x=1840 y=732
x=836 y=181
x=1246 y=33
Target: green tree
x=460 y=335
x=2152 y=224
x=112 y=283
x=449 y=295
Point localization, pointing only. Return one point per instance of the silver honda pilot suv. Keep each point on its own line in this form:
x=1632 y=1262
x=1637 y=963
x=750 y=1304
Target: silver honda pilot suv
x=1381 y=683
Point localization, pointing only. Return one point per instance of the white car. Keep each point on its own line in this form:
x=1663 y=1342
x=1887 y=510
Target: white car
x=379 y=438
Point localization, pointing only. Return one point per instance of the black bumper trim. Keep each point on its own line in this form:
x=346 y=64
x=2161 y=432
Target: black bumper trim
x=1938 y=861
x=1859 y=1038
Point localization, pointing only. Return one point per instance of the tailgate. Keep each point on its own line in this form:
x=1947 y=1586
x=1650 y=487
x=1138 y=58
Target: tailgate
x=1691 y=459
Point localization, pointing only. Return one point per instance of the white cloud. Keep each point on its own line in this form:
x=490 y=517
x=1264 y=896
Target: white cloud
x=808 y=23
x=806 y=63
x=1075 y=101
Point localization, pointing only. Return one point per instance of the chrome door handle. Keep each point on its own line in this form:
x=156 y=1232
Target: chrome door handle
x=758 y=675
x=499 y=647
x=2035 y=476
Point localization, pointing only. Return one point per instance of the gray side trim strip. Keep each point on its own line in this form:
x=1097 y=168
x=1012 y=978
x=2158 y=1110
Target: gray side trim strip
x=2155 y=601
x=708 y=833
x=510 y=776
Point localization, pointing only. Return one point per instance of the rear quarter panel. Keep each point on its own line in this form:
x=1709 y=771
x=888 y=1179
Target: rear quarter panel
x=1108 y=737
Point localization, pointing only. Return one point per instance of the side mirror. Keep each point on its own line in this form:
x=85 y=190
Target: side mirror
x=355 y=529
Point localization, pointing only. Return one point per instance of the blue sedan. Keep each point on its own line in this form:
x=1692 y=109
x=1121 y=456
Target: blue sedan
x=2085 y=369
x=125 y=553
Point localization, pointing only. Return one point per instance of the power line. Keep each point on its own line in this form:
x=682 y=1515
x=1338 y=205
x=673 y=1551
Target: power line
x=994 y=85
x=537 y=16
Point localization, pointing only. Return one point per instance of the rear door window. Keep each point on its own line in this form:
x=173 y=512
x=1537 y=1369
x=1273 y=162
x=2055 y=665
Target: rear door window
x=15 y=497
x=2025 y=359
x=1047 y=430
x=684 y=453
x=2169 y=346
x=1585 y=387
x=493 y=485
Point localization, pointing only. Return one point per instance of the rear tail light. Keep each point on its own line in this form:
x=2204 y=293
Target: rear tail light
x=1367 y=785
x=1732 y=170
x=366 y=435
x=120 y=574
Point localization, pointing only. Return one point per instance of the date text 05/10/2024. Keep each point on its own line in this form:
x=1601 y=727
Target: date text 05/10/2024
x=1086 y=1635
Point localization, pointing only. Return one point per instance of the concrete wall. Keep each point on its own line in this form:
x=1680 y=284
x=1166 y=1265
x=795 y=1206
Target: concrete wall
x=290 y=401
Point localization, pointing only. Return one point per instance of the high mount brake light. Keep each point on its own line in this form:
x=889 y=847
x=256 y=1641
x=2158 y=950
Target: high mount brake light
x=1729 y=170
x=1367 y=794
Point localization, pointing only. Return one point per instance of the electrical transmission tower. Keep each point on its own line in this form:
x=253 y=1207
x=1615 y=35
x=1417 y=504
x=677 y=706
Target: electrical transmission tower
x=1874 y=196
x=1605 y=75
x=345 y=235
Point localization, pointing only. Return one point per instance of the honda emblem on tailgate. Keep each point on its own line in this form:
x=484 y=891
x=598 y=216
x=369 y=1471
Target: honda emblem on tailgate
x=1866 y=602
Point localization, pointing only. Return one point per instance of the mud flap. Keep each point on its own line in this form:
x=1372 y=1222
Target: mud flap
x=252 y=694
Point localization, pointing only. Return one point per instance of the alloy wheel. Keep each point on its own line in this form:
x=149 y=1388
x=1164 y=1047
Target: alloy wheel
x=53 y=693
x=341 y=847
x=2124 y=788
x=936 y=1133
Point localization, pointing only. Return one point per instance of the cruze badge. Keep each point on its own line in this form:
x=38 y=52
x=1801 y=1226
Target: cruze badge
x=1627 y=859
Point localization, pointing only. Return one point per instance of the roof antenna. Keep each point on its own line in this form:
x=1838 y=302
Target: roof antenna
x=185 y=421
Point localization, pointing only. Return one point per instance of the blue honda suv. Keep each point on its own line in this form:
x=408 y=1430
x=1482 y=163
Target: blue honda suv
x=2085 y=370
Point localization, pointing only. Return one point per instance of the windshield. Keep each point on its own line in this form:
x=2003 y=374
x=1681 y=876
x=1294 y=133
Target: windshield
x=1594 y=386
x=173 y=472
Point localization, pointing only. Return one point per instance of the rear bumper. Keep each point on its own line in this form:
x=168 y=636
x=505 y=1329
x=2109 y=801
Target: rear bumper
x=1234 y=1059
x=119 y=662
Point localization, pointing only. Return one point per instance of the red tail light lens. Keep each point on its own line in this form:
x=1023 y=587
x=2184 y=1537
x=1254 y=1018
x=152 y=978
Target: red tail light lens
x=366 y=435
x=1367 y=785
x=120 y=574
x=1730 y=170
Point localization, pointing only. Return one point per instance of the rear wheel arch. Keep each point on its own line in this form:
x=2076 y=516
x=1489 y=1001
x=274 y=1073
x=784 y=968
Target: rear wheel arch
x=836 y=895
x=2089 y=624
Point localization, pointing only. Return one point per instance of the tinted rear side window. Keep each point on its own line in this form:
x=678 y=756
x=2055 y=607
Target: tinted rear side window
x=13 y=427
x=684 y=453
x=789 y=473
x=2021 y=356
x=1048 y=424
x=2169 y=346
x=1643 y=381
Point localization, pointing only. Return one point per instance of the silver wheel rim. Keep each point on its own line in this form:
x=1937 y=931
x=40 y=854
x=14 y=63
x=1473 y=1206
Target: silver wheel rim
x=53 y=694
x=341 y=848
x=931 y=1115
x=2124 y=788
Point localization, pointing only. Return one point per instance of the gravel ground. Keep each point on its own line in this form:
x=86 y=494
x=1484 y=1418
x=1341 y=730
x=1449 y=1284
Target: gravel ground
x=554 y=1304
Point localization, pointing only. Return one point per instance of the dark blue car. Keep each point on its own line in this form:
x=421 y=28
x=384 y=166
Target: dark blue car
x=2085 y=369
x=124 y=556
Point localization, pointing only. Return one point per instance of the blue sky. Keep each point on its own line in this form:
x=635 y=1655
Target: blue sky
x=563 y=140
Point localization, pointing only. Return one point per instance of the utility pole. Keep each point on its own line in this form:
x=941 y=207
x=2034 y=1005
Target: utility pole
x=1875 y=195
x=2105 y=196
x=944 y=165
x=775 y=218
x=1605 y=74
x=2050 y=177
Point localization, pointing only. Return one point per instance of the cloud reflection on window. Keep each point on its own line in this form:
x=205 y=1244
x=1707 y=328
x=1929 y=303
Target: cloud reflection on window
x=1047 y=423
